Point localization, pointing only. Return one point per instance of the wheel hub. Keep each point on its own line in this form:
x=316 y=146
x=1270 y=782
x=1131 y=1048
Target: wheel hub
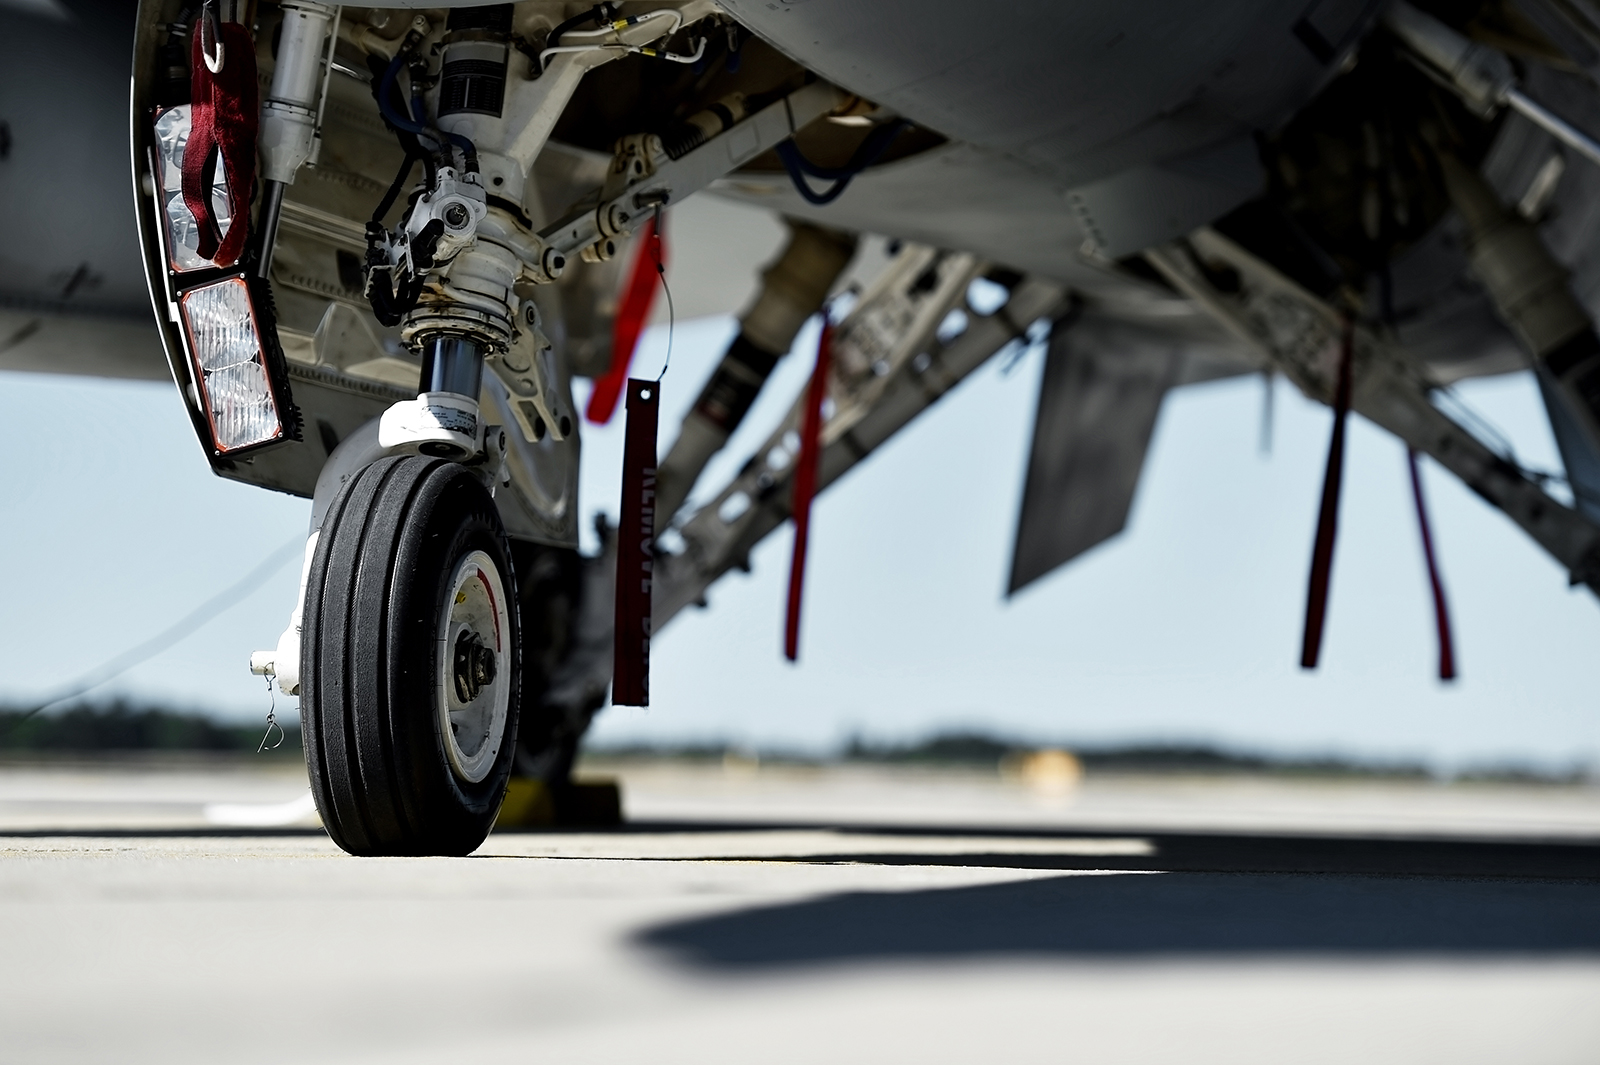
x=473 y=696
x=475 y=666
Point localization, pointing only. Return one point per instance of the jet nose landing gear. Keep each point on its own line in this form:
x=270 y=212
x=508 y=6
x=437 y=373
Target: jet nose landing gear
x=411 y=645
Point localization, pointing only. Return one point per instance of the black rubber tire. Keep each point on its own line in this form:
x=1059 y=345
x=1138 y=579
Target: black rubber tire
x=377 y=762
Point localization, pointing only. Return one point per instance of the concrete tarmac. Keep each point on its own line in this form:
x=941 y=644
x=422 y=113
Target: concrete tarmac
x=774 y=915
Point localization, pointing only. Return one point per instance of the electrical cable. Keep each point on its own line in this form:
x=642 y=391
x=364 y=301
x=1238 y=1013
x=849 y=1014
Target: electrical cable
x=867 y=153
x=661 y=271
x=393 y=194
x=604 y=14
x=1476 y=424
x=624 y=23
x=469 y=150
x=632 y=49
x=174 y=633
x=598 y=13
x=1490 y=436
x=673 y=57
x=1487 y=432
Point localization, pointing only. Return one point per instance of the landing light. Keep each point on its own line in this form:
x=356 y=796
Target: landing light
x=222 y=333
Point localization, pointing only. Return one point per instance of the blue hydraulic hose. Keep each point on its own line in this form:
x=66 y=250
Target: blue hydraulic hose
x=419 y=125
x=395 y=119
x=799 y=166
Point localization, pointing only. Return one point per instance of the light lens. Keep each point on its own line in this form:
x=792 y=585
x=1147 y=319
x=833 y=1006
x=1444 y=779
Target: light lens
x=183 y=235
x=225 y=347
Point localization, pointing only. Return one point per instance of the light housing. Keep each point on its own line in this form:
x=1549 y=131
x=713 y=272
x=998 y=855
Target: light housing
x=229 y=336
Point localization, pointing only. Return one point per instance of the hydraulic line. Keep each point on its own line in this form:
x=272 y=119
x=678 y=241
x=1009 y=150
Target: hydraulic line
x=633 y=49
x=418 y=126
x=271 y=215
x=1554 y=124
x=869 y=151
x=1483 y=77
x=598 y=13
x=623 y=23
x=604 y=16
x=395 y=188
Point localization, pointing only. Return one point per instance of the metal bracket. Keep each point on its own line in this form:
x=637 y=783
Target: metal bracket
x=530 y=378
x=1297 y=333
x=673 y=180
x=890 y=364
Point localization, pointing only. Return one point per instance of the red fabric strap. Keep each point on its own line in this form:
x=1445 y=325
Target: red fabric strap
x=637 y=297
x=805 y=487
x=223 y=117
x=1328 y=519
x=1441 y=612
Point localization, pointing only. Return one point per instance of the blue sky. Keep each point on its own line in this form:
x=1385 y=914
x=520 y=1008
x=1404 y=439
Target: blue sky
x=1187 y=627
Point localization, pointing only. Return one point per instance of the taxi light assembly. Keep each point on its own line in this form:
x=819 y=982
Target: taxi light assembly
x=238 y=370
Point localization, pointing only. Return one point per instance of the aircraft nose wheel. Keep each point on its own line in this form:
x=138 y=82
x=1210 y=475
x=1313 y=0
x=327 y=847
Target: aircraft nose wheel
x=410 y=661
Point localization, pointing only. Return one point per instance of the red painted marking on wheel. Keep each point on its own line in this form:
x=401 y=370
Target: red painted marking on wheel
x=494 y=605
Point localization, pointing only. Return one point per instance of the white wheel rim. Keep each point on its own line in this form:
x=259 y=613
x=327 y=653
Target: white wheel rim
x=472 y=710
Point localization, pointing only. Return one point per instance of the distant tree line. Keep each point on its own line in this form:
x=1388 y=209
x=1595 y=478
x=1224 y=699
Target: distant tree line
x=120 y=727
x=976 y=750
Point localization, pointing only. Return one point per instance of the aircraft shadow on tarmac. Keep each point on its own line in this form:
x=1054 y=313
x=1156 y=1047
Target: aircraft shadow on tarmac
x=1211 y=894
x=1215 y=894
x=1136 y=916
x=1199 y=851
